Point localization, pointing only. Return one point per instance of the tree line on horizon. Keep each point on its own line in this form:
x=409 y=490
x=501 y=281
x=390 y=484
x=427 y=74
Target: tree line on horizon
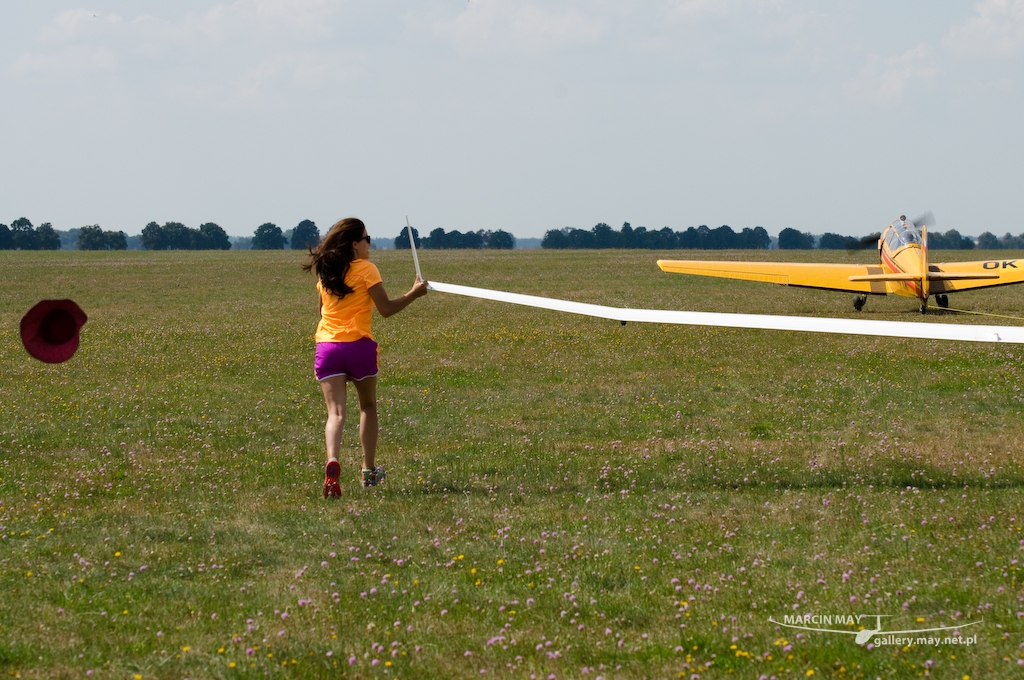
x=22 y=235
x=695 y=238
x=725 y=238
x=791 y=239
x=989 y=241
x=210 y=236
x=456 y=240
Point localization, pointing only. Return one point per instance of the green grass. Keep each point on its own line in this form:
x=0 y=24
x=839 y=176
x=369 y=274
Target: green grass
x=667 y=488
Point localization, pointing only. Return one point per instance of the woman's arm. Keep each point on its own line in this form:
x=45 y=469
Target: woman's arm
x=386 y=306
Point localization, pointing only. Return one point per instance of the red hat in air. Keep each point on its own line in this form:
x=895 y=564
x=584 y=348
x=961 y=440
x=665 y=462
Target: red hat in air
x=49 y=331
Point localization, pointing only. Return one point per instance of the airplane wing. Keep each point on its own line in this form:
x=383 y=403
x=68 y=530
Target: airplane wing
x=866 y=278
x=953 y=276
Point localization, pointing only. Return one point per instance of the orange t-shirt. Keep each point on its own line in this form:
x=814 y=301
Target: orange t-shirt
x=347 y=319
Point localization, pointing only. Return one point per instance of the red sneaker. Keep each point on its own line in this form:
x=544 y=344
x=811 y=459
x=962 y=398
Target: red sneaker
x=331 y=487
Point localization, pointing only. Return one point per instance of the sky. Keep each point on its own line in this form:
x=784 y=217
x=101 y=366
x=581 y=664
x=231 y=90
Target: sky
x=823 y=116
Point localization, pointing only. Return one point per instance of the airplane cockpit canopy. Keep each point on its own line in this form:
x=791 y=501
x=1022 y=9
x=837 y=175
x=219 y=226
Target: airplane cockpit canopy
x=903 y=234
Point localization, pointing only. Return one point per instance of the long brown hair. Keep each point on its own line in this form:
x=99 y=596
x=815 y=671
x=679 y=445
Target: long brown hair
x=333 y=256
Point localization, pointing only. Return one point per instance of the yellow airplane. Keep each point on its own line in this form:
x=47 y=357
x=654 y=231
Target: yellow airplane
x=903 y=270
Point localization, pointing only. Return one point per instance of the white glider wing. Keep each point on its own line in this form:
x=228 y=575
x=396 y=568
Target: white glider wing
x=893 y=329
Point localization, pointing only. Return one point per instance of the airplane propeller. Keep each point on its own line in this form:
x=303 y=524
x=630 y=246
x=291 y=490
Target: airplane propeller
x=927 y=219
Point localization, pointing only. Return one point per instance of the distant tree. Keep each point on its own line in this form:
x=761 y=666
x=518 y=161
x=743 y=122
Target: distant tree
x=402 y=240
x=951 y=240
x=703 y=236
x=722 y=238
x=213 y=237
x=604 y=236
x=153 y=237
x=268 y=236
x=47 y=237
x=830 y=241
x=713 y=239
x=689 y=239
x=438 y=239
x=500 y=240
x=938 y=241
x=6 y=240
x=836 y=242
x=1011 y=242
x=555 y=239
x=117 y=240
x=627 y=237
x=630 y=237
x=305 y=235
x=989 y=241
x=755 y=239
x=791 y=239
x=469 y=240
x=24 y=234
x=435 y=241
x=92 y=238
x=669 y=239
x=581 y=238
x=649 y=239
x=180 y=237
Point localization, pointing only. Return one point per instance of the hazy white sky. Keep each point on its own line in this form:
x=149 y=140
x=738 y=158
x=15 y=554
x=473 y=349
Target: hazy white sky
x=524 y=116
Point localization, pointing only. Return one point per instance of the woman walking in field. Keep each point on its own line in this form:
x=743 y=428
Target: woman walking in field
x=350 y=286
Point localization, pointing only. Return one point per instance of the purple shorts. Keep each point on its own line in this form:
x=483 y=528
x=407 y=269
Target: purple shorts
x=355 y=360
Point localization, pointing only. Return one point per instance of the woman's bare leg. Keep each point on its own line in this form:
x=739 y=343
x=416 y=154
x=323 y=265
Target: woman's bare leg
x=334 y=395
x=367 y=391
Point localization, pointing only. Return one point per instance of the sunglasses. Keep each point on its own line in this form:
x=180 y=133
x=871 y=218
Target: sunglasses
x=365 y=238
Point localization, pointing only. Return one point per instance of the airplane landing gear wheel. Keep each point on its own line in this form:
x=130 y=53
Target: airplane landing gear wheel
x=858 y=301
x=942 y=301
x=924 y=308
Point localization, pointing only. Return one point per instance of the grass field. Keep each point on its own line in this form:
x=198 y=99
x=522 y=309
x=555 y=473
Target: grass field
x=566 y=497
